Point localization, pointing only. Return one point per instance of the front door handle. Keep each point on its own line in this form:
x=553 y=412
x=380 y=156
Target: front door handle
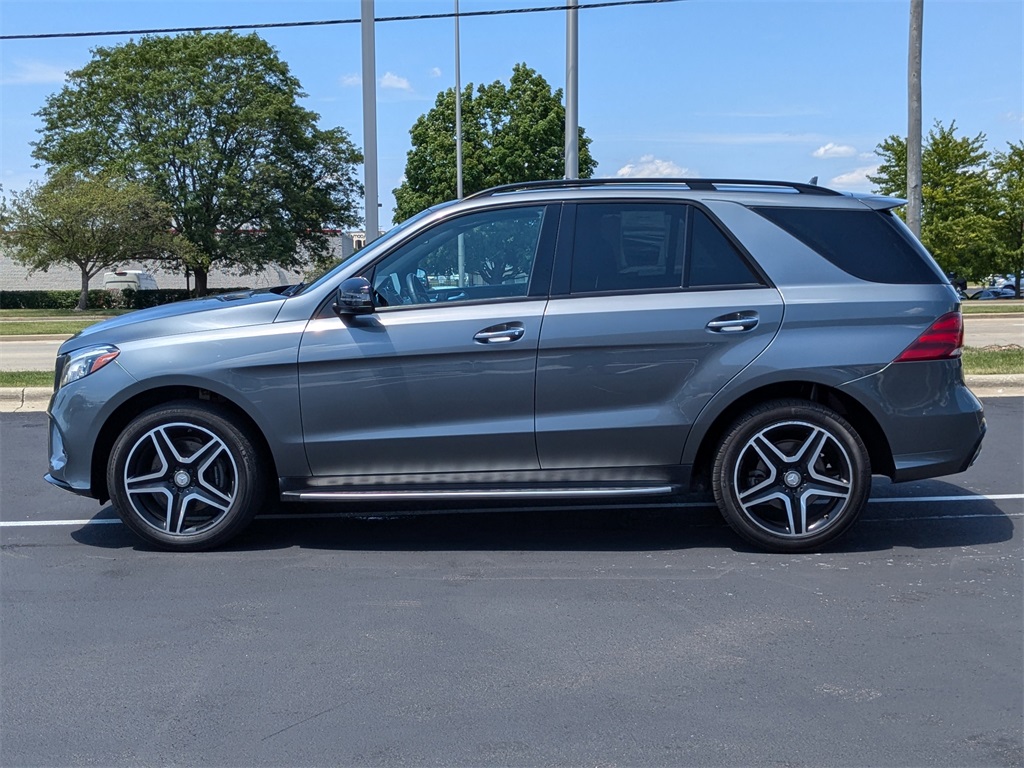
x=500 y=334
x=737 y=322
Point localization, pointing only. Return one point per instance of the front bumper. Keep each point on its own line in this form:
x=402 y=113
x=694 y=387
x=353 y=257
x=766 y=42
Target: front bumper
x=77 y=414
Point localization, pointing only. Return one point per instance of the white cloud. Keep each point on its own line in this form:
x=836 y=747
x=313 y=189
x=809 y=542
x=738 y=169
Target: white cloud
x=651 y=167
x=856 y=180
x=831 y=150
x=391 y=80
x=350 y=81
x=32 y=72
x=435 y=72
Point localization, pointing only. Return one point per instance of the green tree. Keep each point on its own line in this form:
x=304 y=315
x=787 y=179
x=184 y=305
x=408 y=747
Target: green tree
x=1008 y=172
x=212 y=123
x=510 y=134
x=93 y=223
x=958 y=213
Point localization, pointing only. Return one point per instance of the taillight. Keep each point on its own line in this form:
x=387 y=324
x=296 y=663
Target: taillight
x=943 y=340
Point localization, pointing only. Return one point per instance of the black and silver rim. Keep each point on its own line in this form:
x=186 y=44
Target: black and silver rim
x=180 y=479
x=793 y=479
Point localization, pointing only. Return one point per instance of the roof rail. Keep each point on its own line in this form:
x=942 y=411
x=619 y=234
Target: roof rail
x=708 y=185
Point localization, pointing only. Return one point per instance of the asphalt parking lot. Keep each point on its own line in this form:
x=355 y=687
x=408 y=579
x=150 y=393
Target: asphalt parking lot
x=618 y=635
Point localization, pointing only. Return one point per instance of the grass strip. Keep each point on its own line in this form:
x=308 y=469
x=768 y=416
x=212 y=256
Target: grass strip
x=991 y=307
x=26 y=379
x=70 y=314
x=993 y=360
x=44 y=327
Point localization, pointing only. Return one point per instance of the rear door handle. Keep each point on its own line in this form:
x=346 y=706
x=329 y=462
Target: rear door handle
x=500 y=334
x=737 y=322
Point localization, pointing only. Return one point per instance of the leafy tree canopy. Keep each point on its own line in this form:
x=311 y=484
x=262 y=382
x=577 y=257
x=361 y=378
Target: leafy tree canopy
x=1008 y=171
x=93 y=223
x=211 y=122
x=509 y=134
x=959 y=203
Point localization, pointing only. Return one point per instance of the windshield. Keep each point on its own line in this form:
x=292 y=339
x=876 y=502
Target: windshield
x=387 y=236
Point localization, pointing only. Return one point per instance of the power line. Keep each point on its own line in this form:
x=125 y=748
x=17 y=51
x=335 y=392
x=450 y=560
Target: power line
x=331 y=22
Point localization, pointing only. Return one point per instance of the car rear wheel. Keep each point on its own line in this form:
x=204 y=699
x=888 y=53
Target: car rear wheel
x=791 y=476
x=185 y=477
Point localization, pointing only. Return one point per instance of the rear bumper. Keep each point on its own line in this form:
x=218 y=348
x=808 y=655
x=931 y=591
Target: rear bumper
x=936 y=463
x=934 y=424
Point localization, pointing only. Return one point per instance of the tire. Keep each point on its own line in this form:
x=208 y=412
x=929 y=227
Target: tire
x=185 y=477
x=791 y=476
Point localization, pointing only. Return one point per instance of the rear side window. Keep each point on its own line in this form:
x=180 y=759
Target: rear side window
x=713 y=259
x=649 y=246
x=867 y=244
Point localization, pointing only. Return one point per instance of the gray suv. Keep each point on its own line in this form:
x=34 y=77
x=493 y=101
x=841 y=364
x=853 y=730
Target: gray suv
x=773 y=343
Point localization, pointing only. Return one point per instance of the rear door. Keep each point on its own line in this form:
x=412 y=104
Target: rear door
x=654 y=309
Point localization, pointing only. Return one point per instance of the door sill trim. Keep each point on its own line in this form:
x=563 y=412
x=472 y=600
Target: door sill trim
x=489 y=493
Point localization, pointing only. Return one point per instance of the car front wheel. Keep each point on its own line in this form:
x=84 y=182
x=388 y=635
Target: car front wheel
x=791 y=475
x=185 y=477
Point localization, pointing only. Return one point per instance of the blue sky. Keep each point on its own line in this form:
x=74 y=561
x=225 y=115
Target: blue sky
x=728 y=88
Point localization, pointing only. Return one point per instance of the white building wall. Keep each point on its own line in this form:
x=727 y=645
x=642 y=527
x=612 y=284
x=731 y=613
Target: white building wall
x=15 y=277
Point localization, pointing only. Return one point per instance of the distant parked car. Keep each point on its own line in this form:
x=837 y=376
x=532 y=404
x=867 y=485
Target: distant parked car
x=987 y=294
x=135 y=279
x=1011 y=287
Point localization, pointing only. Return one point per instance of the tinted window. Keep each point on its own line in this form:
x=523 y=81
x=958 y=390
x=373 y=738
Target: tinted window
x=486 y=255
x=627 y=246
x=867 y=244
x=714 y=260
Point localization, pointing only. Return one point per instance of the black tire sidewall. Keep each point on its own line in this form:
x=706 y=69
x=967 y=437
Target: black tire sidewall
x=250 y=480
x=762 y=417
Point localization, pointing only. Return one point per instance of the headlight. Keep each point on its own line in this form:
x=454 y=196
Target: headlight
x=82 y=362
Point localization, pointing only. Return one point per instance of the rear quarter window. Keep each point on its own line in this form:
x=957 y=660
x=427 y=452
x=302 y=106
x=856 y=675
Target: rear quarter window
x=870 y=245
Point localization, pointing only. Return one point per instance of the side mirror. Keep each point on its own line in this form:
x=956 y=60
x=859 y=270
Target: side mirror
x=355 y=297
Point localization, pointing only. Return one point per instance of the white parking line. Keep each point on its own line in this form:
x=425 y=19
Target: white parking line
x=33 y=523
x=680 y=505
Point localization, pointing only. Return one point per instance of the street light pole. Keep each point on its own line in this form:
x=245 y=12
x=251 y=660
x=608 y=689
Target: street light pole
x=914 y=195
x=458 y=109
x=369 y=121
x=572 y=102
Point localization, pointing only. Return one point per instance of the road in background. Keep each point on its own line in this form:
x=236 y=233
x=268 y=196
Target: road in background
x=618 y=635
x=23 y=353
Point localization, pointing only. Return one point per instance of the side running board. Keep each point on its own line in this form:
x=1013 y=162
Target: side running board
x=490 y=493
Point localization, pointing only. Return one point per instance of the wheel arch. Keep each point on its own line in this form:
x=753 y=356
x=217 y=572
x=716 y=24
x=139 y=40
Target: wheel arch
x=867 y=426
x=142 y=402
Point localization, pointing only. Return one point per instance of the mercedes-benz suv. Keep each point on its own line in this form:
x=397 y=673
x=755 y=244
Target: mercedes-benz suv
x=770 y=342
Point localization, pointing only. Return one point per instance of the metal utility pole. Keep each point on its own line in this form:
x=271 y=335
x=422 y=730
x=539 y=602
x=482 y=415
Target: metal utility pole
x=572 y=98
x=914 y=197
x=458 y=109
x=369 y=121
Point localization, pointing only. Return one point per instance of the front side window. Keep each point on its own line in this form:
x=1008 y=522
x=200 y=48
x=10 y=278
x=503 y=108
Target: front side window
x=485 y=255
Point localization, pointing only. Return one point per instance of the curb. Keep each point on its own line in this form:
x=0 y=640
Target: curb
x=24 y=399
x=1001 y=385
x=36 y=399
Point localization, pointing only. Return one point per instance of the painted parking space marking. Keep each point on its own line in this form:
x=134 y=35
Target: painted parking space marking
x=681 y=505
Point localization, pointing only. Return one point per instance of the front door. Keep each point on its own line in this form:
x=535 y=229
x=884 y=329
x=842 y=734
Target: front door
x=440 y=378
